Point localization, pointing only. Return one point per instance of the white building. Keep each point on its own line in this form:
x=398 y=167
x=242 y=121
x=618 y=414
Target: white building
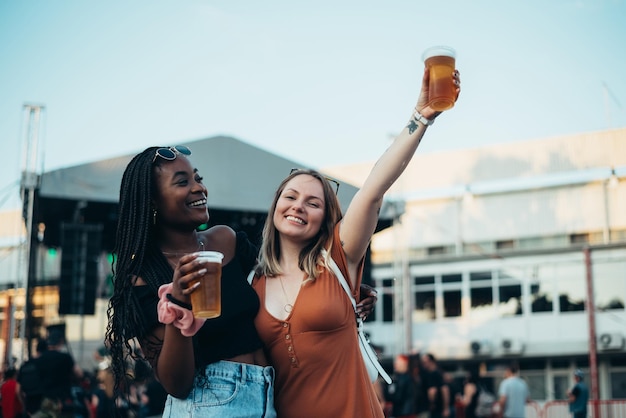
x=489 y=262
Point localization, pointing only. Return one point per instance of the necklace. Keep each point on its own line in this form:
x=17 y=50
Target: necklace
x=288 y=306
x=178 y=255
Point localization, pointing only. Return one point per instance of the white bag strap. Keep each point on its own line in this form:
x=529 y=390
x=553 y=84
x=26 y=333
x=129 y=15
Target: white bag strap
x=250 y=276
x=342 y=280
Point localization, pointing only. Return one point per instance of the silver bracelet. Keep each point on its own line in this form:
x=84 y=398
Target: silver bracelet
x=418 y=117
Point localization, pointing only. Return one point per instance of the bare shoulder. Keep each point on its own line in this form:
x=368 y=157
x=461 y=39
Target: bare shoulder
x=221 y=238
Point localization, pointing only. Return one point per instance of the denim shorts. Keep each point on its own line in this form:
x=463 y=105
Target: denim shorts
x=229 y=390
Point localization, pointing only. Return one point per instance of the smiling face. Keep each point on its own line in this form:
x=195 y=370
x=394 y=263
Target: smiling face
x=300 y=208
x=180 y=197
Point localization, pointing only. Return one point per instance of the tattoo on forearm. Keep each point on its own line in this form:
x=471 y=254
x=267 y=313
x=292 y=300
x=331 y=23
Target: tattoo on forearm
x=412 y=126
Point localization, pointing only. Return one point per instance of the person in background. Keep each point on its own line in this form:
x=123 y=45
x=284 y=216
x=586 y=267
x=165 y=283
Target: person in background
x=469 y=397
x=216 y=367
x=578 y=396
x=436 y=390
x=30 y=380
x=513 y=393
x=11 y=401
x=59 y=373
x=401 y=392
x=152 y=399
x=49 y=408
x=454 y=392
x=306 y=321
x=421 y=398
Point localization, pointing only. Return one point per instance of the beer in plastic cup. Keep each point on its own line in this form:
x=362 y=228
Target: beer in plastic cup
x=440 y=61
x=206 y=300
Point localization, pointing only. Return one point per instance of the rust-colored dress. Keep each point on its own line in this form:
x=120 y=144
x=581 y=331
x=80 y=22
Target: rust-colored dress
x=315 y=351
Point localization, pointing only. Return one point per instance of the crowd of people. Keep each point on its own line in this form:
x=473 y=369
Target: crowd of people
x=420 y=389
x=52 y=385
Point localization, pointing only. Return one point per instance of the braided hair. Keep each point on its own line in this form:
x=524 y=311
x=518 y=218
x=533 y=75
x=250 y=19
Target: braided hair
x=136 y=254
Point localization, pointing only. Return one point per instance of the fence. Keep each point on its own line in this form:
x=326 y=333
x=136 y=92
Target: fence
x=615 y=408
x=533 y=410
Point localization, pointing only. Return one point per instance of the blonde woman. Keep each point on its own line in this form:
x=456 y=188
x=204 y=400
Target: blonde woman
x=306 y=321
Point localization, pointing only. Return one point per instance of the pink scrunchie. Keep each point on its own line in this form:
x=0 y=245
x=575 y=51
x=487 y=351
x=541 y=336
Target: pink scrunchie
x=181 y=318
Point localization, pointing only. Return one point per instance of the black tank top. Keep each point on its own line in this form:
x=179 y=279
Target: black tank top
x=233 y=332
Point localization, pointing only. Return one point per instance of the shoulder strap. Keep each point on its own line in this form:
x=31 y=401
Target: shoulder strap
x=342 y=280
x=361 y=333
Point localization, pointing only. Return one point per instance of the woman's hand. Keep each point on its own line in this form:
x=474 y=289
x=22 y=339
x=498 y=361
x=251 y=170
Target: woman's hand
x=187 y=276
x=369 y=297
x=427 y=111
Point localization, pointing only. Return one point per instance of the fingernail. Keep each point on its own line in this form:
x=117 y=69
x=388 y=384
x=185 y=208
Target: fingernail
x=201 y=272
x=195 y=285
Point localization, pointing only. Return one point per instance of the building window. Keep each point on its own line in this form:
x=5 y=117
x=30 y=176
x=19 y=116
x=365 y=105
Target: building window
x=536 y=384
x=542 y=289
x=424 y=299
x=510 y=300
x=481 y=297
x=387 y=307
x=561 y=386
x=570 y=283
x=451 y=278
x=424 y=306
x=387 y=299
x=618 y=385
x=505 y=245
x=579 y=238
x=436 y=250
x=481 y=294
x=480 y=277
x=609 y=284
x=510 y=295
x=424 y=280
x=452 y=303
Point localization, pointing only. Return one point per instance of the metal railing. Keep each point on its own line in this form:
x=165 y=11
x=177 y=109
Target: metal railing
x=613 y=408
x=604 y=408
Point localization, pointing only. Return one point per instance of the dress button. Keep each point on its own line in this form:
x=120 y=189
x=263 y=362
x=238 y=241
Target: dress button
x=290 y=348
x=285 y=325
x=287 y=336
x=293 y=360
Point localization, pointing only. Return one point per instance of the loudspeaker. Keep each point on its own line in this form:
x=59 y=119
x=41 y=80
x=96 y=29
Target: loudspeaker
x=81 y=247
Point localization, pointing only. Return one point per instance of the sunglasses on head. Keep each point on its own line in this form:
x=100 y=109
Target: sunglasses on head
x=170 y=153
x=334 y=183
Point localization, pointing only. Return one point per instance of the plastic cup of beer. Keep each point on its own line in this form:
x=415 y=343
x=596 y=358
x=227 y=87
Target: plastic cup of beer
x=440 y=61
x=206 y=300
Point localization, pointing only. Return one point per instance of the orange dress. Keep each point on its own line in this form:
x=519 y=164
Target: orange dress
x=315 y=351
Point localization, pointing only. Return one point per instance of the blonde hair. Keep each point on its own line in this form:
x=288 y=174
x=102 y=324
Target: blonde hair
x=310 y=260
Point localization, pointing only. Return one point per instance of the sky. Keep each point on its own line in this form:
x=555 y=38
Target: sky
x=325 y=82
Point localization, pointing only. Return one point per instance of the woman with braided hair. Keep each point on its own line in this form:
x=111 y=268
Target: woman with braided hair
x=212 y=368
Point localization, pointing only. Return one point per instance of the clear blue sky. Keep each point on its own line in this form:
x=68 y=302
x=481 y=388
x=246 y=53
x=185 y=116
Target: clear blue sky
x=323 y=82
